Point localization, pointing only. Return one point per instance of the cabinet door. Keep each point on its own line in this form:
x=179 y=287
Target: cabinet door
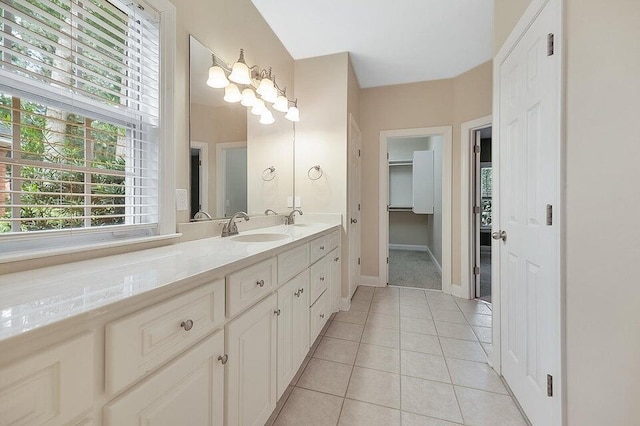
x=251 y=392
x=188 y=390
x=335 y=266
x=319 y=276
x=290 y=328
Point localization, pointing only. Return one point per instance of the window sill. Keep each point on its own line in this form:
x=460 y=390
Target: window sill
x=84 y=248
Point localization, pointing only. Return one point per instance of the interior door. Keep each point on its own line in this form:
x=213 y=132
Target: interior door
x=477 y=211
x=529 y=105
x=355 y=146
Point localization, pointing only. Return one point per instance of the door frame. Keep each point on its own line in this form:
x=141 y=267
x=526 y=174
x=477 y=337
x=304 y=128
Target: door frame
x=383 y=185
x=466 y=289
x=353 y=193
x=221 y=169
x=203 y=147
x=527 y=19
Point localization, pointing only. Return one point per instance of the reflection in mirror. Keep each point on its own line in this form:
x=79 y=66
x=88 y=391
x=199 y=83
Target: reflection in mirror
x=218 y=143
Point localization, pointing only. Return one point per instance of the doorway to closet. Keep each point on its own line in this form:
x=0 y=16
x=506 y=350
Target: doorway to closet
x=415 y=211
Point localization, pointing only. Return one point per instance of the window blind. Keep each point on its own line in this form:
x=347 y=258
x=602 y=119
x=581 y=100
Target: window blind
x=79 y=115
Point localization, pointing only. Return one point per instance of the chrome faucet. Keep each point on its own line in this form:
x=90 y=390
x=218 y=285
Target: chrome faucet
x=201 y=215
x=231 y=228
x=267 y=211
x=289 y=219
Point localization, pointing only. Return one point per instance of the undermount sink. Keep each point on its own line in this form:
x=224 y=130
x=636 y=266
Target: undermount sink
x=259 y=238
x=304 y=224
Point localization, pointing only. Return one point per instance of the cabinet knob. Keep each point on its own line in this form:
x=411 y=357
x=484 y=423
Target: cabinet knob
x=223 y=359
x=321 y=278
x=277 y=312
x=301 y=290
x=187 y=325
x=297 y=293
x=260 y=283
x=336 y=259
x=322 y=316
x=321 y=247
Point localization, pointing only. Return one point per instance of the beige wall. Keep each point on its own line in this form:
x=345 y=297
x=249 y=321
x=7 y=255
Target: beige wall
x=448 y=102
x=505 y=15
x=602 y=203
x=224 y=27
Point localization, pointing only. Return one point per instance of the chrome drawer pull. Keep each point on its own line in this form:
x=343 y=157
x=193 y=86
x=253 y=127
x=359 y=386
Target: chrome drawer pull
x=297 y=293
x=301 y=290
x=223 y=359
x=322 y=316
x=260 y=283
x=336 y=259
x=277 y=312
x=321 y=278
x=187 y=325
x=321 y=247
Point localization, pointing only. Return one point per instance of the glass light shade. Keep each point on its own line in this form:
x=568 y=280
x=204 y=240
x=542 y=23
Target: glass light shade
x=293 y=114
x=271 y=95
x=267 y=117
x=248 y=97
x=258 y=107
x=232 y=94
x=217 y=78
x=265 y=87
x=281 y=104
x=240 y=73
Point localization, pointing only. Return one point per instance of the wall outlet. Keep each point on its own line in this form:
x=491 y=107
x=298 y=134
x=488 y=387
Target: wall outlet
x=182 y=200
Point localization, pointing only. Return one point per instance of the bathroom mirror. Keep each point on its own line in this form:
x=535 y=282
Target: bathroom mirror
x=236 y=163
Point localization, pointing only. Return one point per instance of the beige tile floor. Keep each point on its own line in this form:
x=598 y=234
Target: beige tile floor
x=400 y=356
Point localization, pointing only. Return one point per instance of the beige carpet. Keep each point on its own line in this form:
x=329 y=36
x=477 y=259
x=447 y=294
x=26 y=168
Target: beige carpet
x=413 y=269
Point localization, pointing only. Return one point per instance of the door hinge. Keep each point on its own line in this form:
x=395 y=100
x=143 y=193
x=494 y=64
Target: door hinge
x=476 y=210
x=549 y=385
x=199 y=162
x=387 y=155
x=476 y=270
x=549 y=215
x=476 y=149
x=358 y=261
x=550 y=44
x=358 y=153
x=387 y=260
x=358 y=207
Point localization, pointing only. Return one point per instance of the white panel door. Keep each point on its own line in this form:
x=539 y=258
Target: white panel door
x=250 y=391
x=423 y=182
x=528 y=183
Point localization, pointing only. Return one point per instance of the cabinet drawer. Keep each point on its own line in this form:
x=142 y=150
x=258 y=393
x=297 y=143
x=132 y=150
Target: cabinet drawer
x=139 y=343
x=246 y=287
x=318 y=248
x=292 y=262
x=333 y=240
x=189 y=390
x=52 y=387
x=318 y=316
x=319 y=279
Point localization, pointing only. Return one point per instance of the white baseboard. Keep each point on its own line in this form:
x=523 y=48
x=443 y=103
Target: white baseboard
x=407 y=247
x=345 y=303
x=435 y=261
x=371 y=281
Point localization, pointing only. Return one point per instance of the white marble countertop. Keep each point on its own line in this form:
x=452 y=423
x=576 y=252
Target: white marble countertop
x=32 y=299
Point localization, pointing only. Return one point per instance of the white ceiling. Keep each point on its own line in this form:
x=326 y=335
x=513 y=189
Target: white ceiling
x=434 y=38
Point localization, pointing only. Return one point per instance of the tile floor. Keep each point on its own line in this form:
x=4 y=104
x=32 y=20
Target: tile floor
x=400 y=357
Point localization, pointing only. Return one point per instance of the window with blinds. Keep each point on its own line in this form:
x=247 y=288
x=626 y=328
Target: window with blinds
x=79 y=116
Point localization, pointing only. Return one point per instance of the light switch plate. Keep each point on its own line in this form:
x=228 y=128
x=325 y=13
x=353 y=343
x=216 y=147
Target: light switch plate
x=182 y=201
x=290 y=202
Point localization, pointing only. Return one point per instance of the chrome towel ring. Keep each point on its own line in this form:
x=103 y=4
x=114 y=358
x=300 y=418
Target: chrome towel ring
x=269 y=174
x=318 y=172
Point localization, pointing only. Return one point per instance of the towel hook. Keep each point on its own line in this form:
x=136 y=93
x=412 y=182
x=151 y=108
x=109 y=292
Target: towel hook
x=318 y=172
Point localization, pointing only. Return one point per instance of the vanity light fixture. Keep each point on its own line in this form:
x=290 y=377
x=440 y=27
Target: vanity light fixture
x=255 y=78
x=293 y=114
x=248 y=97
x=217 y=78
x=232 y=93
x=240 y=71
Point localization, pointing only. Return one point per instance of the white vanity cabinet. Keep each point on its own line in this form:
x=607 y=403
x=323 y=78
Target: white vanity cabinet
x=293 y=328
x=187 y=391
x=251 y=386
x=51 y=387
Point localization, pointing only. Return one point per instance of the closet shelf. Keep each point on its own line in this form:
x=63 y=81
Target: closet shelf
x=400 y=209
x=400 y=163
